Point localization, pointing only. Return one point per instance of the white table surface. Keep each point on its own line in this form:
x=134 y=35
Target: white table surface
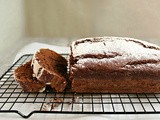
x=31 y=48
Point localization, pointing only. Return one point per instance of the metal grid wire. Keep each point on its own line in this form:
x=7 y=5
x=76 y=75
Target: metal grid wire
x=14 y=100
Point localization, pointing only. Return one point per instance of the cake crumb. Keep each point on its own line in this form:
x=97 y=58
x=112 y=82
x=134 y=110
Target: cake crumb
x=52 y=104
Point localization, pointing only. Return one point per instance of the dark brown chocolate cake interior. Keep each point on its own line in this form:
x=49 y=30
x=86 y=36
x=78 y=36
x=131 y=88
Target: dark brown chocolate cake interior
x=23 y=76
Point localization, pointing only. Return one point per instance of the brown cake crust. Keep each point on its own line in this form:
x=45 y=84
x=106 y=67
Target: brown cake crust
x=23 y=75
x=115 y=86
x=51 y=70
x=117 y=65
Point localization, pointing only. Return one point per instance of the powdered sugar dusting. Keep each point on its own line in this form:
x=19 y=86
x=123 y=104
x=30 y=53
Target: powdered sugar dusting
x=127 y=47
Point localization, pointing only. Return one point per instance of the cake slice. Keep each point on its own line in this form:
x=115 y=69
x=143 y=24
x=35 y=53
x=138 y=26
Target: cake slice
x=50 y=68
x=23 y=75
x=114 y=65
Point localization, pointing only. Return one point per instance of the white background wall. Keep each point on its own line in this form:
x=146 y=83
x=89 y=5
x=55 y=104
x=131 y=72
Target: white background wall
x=83 y=18
x=12 y=23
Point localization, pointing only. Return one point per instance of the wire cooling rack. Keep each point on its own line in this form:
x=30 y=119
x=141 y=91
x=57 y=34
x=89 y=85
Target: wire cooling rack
x=14 y=100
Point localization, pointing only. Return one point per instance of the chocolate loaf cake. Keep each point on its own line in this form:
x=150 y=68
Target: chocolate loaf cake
x=23 y=75
x=50 y=68
x=114 y=65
